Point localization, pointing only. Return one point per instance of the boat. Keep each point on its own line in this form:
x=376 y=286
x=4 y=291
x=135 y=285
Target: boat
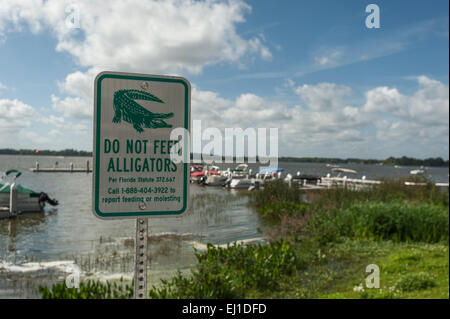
x=420 y=171
x=302 y=179
x=343 y=170
x=200 y=173
x=196 y=173
x=242 y=183
x=27 y=200
x=212 y=177
x=215 y=180
x=417 y=172
x=269 y=173
x=240 y=171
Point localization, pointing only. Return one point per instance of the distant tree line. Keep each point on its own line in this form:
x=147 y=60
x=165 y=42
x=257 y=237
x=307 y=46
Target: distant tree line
x=401 y=161
x=66 y=152
x=328 y=160
x=409 y=161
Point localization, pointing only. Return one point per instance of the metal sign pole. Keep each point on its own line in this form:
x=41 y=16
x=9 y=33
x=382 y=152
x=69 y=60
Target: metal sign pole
x=140 y=269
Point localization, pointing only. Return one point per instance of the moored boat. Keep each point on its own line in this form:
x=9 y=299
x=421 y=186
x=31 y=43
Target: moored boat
x=27 y=200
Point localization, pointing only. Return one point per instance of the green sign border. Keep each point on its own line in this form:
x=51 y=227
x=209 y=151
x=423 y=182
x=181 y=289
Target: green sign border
x=106 y=75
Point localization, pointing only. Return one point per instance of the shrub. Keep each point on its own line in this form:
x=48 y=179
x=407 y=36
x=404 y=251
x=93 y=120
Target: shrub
x=89 y=290
x=413 y=282
x=274 y=212
x=395 y=221
x=277 y=192
x=388 y=191
x=233 y=271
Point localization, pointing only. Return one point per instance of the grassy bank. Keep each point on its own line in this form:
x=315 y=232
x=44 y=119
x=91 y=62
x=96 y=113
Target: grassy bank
x=320 y=246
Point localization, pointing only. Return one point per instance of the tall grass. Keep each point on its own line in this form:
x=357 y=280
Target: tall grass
x=397 y=221
x=388 y=191
x=233 y=271
x=277 y=192
x=391 y=211
x=89 y=290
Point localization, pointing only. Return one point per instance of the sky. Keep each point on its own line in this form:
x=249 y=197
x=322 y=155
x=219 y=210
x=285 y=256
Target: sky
x=312 y=69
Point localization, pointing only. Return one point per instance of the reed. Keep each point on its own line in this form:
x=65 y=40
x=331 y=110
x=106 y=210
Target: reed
x=89 y=290
x=277 y=192
x=234 y=272
x=397 y=221
x=388 y=191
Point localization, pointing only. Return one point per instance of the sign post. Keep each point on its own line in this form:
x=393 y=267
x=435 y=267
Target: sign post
x=140 y=267
x=134 y=172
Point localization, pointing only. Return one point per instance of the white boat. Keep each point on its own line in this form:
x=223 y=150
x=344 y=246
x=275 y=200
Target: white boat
x=343 y=170
x=242 y=183
x=417 y=172
x=27 y=199
x=215 y=180
x=240 y=171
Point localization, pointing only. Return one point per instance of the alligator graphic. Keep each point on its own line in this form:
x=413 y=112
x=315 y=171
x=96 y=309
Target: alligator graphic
x=126 y=108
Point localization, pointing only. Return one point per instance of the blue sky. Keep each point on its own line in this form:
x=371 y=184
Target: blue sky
x=344 y=90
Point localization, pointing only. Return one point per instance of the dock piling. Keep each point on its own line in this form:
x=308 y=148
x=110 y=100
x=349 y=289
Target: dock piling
x=13 y=199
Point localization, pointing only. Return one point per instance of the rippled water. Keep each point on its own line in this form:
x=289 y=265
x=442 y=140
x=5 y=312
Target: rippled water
x=41 y=248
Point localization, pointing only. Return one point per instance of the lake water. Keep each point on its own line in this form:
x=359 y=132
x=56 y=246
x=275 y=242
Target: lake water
x=37 y=249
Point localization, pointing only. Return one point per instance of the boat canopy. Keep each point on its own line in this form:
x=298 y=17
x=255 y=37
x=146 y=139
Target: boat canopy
x=20 y=190
x=271 y=170
x=343 y=170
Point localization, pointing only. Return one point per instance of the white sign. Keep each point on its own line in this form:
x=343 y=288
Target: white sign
x=134 y=175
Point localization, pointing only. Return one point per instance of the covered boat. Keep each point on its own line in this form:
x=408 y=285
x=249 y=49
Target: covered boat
x=269 y=173
x=27 y=199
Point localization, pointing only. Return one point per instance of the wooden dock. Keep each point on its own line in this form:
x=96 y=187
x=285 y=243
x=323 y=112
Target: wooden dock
x=358 y=184
x=60 y=170
x=55 y=169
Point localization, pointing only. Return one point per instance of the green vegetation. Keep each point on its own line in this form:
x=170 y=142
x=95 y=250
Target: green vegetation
x=413 y=270
x=396 y=221
x=235 y=272
x=89 y=290
x=408 y=161
x=321 y=243
x=403 y=161
x=329 y=160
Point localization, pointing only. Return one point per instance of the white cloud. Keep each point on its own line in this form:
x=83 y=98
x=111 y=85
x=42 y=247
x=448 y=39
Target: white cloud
x=73 y=107
x=328 y=59
x=323 y=96
x=420 y=120
x=15 y=114
x=15 y=120
x=388 y=100
x=3 y=87
x=21 y=126
x=247 y=110
x=327 y=124
x=428 y=106
x=146 y=36
x=168 y=37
